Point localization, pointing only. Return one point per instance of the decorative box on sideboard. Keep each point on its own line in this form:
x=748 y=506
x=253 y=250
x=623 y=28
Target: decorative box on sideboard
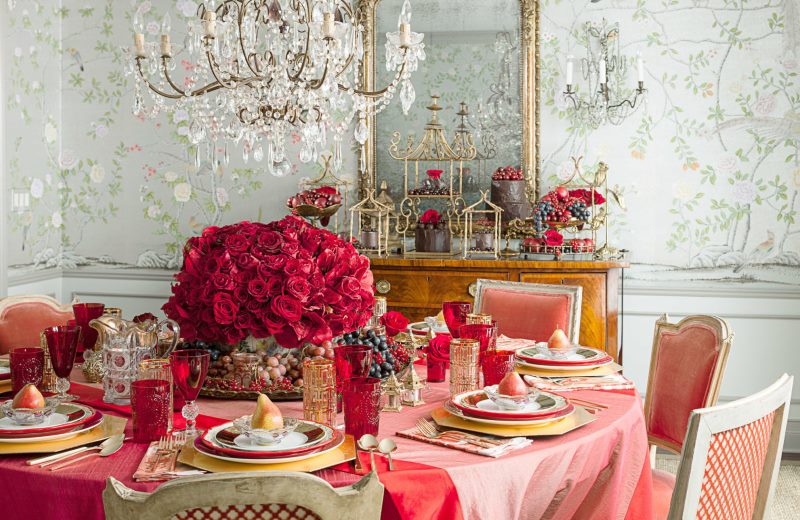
x=417 y=288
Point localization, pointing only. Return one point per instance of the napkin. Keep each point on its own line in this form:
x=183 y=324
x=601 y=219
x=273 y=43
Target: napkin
x=607 y=382
x=505 y=343
x=158 y=465
x=505 y=446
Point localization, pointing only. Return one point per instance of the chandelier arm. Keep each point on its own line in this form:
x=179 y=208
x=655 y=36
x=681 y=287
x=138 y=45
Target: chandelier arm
x=150 y=85
x=214 y=67
x=379 y=93
x=245 y=55
x=304 y=55
x=317 y=83
x=169 y=78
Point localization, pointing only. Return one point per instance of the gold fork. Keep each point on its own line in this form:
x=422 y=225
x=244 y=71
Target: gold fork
x=431 y=431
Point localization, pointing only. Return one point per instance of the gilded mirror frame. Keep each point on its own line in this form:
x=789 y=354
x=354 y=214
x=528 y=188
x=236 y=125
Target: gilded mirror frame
x=529 y=95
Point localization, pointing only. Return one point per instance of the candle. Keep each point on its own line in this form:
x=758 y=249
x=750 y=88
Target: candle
x=138 y=42
x=210 y=24
x=328 y=25
x=166 y=46
x=602 y=69
x=569 y=69
x=405 y=34
x=640 y=66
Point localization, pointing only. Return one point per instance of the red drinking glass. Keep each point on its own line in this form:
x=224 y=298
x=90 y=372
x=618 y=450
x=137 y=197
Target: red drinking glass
x=351 y=361
x=455 y=315
x=151 y=409
x=496 y=364
x=62 y=342
x=485 y=334
x=361 y=398
x=437 y=370
x=189 y=369
x=27 y=367
x=84 y=313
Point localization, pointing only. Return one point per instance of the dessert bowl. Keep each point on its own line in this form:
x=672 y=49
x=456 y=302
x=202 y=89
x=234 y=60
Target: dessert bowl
x=511 y=402
x=265 y=437
x=29 y=416
x=557 y=354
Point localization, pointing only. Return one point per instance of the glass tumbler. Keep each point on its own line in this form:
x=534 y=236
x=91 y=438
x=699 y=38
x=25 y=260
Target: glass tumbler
x=361 y=399
x=496 y=364
x=27 y=367
x=464 y=366
x=161 y=370
x=319 y=391
x=150 y=409
x=245 y=368
x=351 y=361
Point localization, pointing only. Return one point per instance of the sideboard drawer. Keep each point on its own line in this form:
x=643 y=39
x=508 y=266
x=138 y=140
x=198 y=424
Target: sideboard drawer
x=427 y=289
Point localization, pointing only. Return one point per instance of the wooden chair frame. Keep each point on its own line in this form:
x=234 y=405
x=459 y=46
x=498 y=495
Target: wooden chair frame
x=10 y=301
x=362 y=500
x=724 y=345
x=706 y=422
x=573 y=291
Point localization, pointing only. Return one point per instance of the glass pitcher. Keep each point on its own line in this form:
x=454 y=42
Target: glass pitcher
x=125 y=345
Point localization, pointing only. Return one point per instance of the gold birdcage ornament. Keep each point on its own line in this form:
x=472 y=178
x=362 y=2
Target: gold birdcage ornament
x=481 y=236
x=370 y=219
x=434 y=156
x=393 y=391
x=464 y=141
x=326 y=178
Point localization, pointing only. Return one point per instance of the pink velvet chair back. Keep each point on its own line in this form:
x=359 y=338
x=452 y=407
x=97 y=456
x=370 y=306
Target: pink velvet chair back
x=530 y=311
x=22 y=319
x=731 y=459
x=686 y=366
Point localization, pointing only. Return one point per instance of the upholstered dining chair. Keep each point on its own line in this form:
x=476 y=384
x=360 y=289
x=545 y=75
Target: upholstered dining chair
x=263 y=495
x=730 y=460
x=22 y=318
x=686 y=366
x=530 y=310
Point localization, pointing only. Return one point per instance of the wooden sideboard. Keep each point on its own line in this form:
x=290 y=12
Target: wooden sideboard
x=417 y=288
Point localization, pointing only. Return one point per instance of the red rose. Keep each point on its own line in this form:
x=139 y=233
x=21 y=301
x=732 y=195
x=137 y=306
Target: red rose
x=298 y=287
x=553 y=238
x=225 y=309
x=270 y=241
x=236 y=243
x=431 y=216
x=394 y=322
x=586 y=195
x=141 y=318
x=246 y=261
x=286 y=307
x=439 y=347
x=258 y=289
x=435 y=174
x=222 y=281
x=348 y=286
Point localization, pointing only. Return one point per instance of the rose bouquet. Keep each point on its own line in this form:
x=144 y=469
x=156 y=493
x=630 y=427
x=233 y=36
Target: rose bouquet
x=394 y=322
x=285 y=279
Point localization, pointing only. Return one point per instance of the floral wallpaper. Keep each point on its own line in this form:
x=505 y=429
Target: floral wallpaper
x=709 y=167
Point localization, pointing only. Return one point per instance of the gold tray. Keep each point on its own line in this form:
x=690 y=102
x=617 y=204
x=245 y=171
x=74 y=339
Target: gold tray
x=575 y=420
x=217 y=393
x=605 y=370
x=110 y=426
x=346 y=451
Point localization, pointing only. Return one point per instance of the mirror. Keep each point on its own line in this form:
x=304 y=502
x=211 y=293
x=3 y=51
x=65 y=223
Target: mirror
x=481 y=53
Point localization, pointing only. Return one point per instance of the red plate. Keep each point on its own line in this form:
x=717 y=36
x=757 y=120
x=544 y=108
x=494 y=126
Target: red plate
x=93 y=421
x=204 y=445
x=468 y=402
x=87 y=412
x=599 y=360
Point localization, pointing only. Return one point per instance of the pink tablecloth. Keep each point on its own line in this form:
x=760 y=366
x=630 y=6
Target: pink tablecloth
x=600 y=471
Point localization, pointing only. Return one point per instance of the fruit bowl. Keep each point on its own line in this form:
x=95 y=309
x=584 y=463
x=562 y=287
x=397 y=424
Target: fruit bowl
x=265 y=437
x=310 y=211
x=559 y=354
x=29 y=416
x=511 y=402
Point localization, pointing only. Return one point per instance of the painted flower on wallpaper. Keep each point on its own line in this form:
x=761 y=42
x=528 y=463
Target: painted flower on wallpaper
x=37 y=188
x=145 y=7
x=745 y=192
x=50 y=133
x=565 y=170
x=728 y=164
x=153 y=211
x=186 y=7
x=683 y=190
x=97 y=173
x=222 y=196
x=183 y=192
x=796 y=178
x=100 y=130
x=67 y=160
x=152 y=28
x=56 y=220
x=170 y=176
x=765 y=104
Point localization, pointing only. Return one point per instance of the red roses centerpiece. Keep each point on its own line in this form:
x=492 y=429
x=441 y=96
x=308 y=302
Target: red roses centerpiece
x=285 y=279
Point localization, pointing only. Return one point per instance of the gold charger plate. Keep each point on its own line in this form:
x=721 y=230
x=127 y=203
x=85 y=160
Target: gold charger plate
x=605 y=370
x=5 y=386
x=575 y=420
x=110 y=426
x=346 y=451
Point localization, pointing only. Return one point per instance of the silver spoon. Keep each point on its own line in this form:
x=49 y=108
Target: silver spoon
x=107 y=447
x=369 y=443
x=387 y=447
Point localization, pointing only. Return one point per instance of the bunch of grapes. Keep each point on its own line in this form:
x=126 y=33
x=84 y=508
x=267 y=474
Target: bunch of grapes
x=579 y=210
x=387 y=357
x=559 y=206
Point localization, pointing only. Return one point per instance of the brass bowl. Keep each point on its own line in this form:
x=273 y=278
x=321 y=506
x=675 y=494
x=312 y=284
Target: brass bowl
x=309 y=211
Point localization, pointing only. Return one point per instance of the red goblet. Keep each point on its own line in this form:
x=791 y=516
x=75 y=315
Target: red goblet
x=189 y=369
x=84 y=313
x=27 y=367
x=62 y=342
x=362 y=406
x=351 y=361
x=496 y=364
x=455 y=315
x=150 y=409
x=485 y=334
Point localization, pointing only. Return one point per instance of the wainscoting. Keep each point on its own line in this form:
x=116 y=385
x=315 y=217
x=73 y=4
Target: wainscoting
x=761 y=317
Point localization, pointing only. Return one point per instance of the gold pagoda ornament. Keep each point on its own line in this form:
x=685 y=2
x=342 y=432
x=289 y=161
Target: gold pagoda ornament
x=393 y=391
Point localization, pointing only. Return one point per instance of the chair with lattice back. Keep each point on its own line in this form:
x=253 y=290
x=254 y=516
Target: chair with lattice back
x=731 y=456
x=267 y=495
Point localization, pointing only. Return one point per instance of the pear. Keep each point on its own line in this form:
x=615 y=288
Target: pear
x=28 y=397
x=267 y=415
x=559 y=341
x=512 y=384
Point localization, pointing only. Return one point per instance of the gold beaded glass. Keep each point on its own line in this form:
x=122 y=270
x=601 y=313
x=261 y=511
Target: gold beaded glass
x=319 y=391
x=464 y=367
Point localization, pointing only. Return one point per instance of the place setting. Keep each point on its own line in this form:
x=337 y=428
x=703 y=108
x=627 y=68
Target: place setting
x=559 y=356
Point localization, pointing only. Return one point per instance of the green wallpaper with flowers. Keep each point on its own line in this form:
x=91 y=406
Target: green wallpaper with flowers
x=709 y=167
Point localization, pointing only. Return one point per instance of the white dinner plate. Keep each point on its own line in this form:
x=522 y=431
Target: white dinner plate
x=304 y=456
x=564 y=368
x=49 y=438
x=451 y=408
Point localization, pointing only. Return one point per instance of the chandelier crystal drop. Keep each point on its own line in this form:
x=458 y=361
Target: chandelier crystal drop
x=257 y=70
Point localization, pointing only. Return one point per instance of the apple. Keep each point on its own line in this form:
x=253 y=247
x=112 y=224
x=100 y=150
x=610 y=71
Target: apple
x=512 y=384
x=562 y=193
x=267 y=415
x=559 y=341
x=28 y=397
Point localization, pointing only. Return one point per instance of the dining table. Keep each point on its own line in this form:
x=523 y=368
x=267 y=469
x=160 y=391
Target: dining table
x=599 y=471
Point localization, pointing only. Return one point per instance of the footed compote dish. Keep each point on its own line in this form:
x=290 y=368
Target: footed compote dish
x=29 y=416
x=265 y=437
x=511 y=402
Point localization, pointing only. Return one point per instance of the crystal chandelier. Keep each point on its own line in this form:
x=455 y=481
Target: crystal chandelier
x=605 y=70
x=258 y=69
